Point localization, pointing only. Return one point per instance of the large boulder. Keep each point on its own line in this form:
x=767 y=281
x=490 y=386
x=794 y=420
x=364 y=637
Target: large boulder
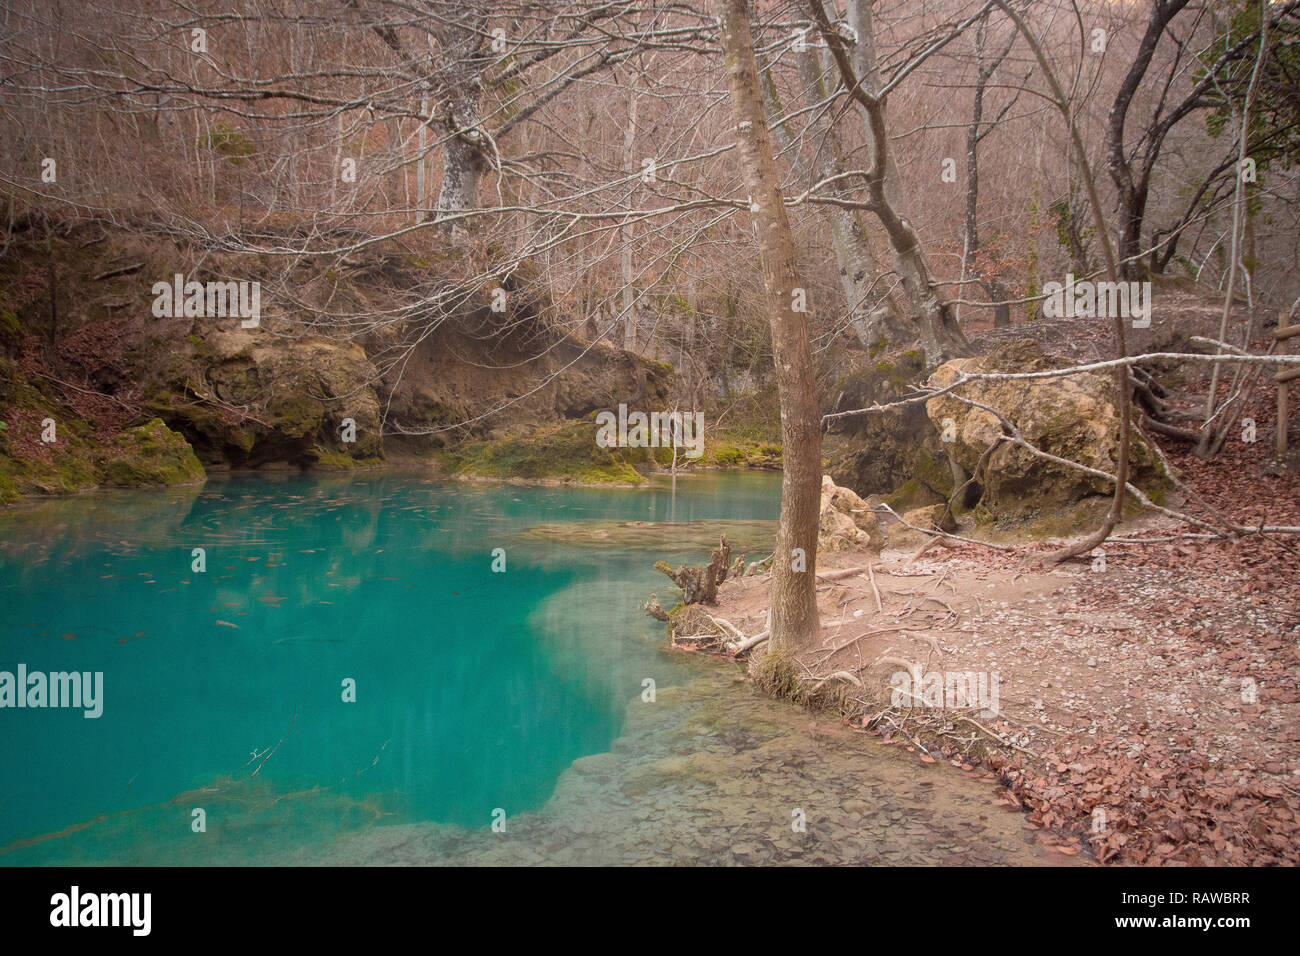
x=150 y=454
x=896 y=453
x=260 y=400
x=1072 y=417
x=847 y=522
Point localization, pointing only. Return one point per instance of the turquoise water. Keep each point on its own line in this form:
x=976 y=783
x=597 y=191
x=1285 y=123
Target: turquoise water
x=500 y=718
x=224 y=690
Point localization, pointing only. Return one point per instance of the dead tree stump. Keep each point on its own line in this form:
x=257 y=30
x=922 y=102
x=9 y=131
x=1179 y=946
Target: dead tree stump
x=700 y=585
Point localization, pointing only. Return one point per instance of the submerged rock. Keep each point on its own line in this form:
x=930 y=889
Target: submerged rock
x=669 y=537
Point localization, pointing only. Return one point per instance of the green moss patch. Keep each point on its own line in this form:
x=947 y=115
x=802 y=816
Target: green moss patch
x=743 y=454
x=566 y=452
x=334 y=461
x=150 y=454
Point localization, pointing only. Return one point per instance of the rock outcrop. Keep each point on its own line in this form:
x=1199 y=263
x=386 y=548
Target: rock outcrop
x=896 y=454
x=384 y=353
x=1072 y=417
x=151 y=454
x=249 y=401
x=847 y=522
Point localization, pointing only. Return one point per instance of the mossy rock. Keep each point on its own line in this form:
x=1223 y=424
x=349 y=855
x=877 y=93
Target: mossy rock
x=912 y=493
x=151 y=454
x=727 y=456
x=297 y=394
x=744 y=454
x=327 y=460
x=896 y=453
x=68 y=470
x=297 y=415
x=567 y=452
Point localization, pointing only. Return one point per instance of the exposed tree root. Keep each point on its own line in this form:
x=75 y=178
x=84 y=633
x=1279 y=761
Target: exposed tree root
x=700 y=585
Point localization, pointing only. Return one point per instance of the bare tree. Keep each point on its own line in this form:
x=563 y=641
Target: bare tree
x=869 y=308
x=1123 y=391
x=794 y=619
x=986 y=64
x=1132 y=164
x=941 y=336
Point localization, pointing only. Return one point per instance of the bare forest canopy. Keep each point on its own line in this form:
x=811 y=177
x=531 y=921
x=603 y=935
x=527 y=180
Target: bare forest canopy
x=932 y=180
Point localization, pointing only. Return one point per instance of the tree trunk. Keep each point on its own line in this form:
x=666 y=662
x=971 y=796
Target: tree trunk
x=1133 y=189
x=462 y=161
x=999 y=295
x=1068 y=214
x=625 y=232
x=971 y=247
x=874 y=318
x=995 y=290
x=464 y=150
x=794 y=598
x=419 y=166
x=1132 y=214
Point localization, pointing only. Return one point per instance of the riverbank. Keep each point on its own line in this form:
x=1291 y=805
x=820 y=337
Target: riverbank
x=1143 y=709
x=155 y=456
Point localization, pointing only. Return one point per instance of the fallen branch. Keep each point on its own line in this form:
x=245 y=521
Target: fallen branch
x=89 y=391
x=120 y=271
x=880 y=607
x=946 y=538
x=723 y=624
x=966 y=377
x=998 y=737
x=899 y=629
x=913 y=668
x=749 y=642
x=842 y=574
x=840 y=675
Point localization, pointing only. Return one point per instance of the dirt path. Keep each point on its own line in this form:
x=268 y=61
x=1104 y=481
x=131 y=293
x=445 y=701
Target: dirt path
x=1147 y=711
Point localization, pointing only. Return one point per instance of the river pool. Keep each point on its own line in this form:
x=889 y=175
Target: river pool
x=382 y=668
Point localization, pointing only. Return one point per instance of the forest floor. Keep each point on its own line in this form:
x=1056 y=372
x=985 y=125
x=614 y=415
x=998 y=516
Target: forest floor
x=1147 y=711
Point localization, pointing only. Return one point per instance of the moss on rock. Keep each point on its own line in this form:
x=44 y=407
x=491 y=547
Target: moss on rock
x=327 y=460
x=566 y=452
x=1072 y=417
x=744 y=454
x=150 y=454
x=898 y=453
